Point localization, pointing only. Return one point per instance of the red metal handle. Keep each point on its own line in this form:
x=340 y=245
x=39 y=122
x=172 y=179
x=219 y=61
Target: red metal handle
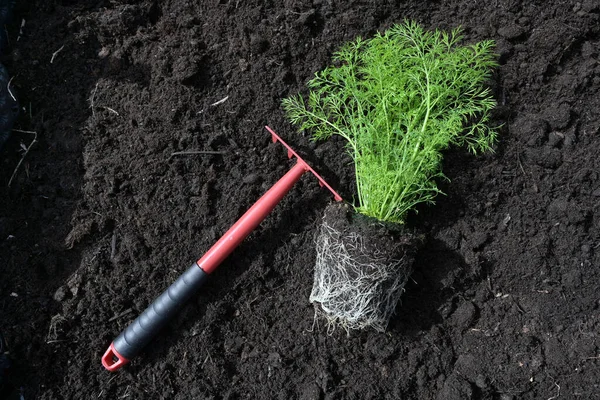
x=251 y=219
x=259 y=211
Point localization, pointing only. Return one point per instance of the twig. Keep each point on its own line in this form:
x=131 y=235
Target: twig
x=113 y=246
x=56 y=53
x=107 y=383
x=92 y=99
x=93 y=106
x=193 y=152
x=558 y=391
x=34 y=141
x=21 y=29
x=124 y=313
x=111 y=110
x=10 y=91
x=223 y=100
x=208 y=357
x=22 y=131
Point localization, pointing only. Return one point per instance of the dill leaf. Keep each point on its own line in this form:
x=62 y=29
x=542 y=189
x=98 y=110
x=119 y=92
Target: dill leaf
x=400 y=99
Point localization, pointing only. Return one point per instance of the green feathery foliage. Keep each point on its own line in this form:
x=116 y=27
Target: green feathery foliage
x=400 y=99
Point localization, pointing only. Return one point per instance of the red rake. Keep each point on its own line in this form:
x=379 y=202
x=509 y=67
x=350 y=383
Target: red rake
x=141 y=331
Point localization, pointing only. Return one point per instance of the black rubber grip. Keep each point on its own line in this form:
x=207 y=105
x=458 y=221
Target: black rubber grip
x=141 y=331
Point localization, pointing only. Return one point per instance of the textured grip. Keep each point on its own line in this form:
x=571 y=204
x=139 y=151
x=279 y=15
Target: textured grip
x=142 y=330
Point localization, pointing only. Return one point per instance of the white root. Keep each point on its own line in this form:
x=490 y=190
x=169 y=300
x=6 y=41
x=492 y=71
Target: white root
x=355 y=287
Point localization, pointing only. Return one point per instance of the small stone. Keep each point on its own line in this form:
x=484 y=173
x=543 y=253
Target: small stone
x=455 y=388
x=481 y=382
x=464 y=315
x=569 y=139
x=504 y=223
x=589 y=6
x=575 y=214
x=74 y=283
x=251 y=179
x=60 y=294
x=307 y=17
x=596 y=193
x=274 y=358
x=185 y=68
x=311 y=392
x=511 y=32
x=588 y=50
x=244 y=64
x=104 y=52
x=467 y=365
x=558 y=208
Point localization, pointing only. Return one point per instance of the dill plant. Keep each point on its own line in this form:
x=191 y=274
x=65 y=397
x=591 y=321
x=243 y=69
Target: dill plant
x=400 y=99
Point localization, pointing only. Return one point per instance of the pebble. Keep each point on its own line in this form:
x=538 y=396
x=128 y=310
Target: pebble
x=511 y=31
x=306 y=17
x=243 y=64
x=504 y=223
x=60 y=294
x=251 y=179
x=274 y=358
x=557 y=208
x=464 y=315
x=481 y=381
x=311 y=392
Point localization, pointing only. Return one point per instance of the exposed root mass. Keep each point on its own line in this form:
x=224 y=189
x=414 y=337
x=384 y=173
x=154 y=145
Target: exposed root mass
x=356 y=285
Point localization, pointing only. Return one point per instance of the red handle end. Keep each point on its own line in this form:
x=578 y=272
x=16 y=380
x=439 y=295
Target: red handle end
x=112 y=360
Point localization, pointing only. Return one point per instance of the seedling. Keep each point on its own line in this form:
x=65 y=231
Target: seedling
x=399 y=99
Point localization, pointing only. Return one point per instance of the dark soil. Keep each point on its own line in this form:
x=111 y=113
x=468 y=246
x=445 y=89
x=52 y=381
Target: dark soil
x=101 y=217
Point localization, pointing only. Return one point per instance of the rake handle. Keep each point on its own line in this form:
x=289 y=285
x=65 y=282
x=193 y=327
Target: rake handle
x=141 y=331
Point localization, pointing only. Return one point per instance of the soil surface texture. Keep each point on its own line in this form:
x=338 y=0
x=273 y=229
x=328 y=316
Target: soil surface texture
x=105 y=211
